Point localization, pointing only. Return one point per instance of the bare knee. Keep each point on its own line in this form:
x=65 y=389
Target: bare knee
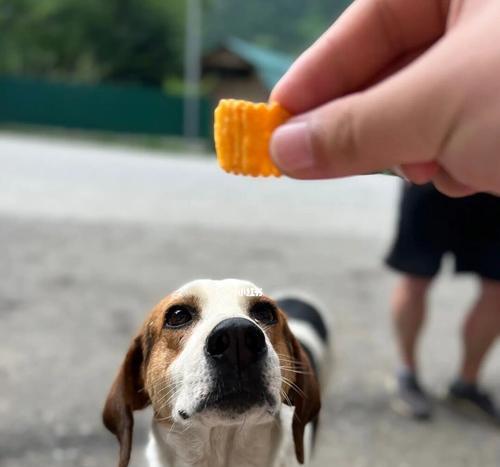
x=414 y=287
x=490 y=294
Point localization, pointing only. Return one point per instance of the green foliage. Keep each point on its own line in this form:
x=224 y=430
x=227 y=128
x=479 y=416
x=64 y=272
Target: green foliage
x=92 y=40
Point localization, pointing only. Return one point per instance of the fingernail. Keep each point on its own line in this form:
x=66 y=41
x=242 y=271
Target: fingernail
x=291 y=147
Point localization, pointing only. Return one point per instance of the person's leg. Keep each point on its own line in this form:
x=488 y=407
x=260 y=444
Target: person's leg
x=481 y=328
x=408 y=315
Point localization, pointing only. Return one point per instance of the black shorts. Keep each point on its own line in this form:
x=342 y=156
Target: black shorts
x=431 y=224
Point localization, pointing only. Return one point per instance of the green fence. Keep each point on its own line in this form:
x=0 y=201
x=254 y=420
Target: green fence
x=127 y=109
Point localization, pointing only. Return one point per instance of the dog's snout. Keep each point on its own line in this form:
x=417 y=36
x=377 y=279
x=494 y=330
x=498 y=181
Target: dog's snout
x=236 y=341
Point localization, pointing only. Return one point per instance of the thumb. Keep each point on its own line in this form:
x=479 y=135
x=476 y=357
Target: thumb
x=405 y=119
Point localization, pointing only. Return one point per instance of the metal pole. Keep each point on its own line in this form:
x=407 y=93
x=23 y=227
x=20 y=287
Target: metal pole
x=192 y=69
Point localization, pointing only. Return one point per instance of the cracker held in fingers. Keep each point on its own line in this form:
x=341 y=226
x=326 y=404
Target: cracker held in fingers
x=242 y=132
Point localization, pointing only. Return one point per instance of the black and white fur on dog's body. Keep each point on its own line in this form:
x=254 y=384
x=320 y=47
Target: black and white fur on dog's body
x=234 y=380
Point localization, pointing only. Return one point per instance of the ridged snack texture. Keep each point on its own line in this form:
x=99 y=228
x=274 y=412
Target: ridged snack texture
x=242 y=132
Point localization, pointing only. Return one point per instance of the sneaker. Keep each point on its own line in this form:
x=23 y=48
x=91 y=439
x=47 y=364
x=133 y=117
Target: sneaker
x=470 y=396
x=411 y=400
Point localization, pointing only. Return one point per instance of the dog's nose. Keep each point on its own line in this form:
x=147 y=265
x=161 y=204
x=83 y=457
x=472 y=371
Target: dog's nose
x=236 y=341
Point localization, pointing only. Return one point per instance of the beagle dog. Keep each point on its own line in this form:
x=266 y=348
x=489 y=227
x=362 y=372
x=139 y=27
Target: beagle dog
x=233 y=378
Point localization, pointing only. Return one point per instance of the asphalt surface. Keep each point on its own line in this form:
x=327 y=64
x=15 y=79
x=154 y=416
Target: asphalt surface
x=91 y=237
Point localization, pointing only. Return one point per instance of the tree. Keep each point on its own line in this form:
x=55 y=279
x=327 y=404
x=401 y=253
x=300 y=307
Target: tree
x=93 y=40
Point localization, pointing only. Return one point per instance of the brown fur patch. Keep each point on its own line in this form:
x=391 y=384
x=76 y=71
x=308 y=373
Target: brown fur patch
x=167 y=345
x=277 y=335
x=300 y=387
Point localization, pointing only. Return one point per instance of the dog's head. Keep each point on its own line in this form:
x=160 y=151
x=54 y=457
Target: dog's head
x=213 y=352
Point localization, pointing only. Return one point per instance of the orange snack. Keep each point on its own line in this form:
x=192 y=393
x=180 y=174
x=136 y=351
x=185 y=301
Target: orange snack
x=242 y=132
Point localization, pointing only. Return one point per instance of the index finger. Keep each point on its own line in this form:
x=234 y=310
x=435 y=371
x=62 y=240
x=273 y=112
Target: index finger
x=367 y=38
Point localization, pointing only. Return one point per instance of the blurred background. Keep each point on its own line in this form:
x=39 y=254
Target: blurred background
x=111 y=197
x=145 y=67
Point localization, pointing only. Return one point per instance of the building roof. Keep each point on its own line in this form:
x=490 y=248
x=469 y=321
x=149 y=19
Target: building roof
x=268 y=64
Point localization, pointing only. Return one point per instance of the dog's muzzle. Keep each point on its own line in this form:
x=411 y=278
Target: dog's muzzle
x=236 y=350
x=235 y=344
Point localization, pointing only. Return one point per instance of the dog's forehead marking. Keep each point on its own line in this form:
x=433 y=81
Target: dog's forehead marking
x=218 y=296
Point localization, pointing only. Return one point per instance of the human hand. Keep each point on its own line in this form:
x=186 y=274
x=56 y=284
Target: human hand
x=405 y=83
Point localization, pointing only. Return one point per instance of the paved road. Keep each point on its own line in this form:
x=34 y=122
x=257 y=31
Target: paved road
x=91 y=237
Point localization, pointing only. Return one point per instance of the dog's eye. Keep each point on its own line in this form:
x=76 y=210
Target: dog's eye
x=264 y=313
x=177 y=316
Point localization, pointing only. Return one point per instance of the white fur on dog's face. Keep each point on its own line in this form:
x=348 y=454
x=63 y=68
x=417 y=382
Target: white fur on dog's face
x=179 y=376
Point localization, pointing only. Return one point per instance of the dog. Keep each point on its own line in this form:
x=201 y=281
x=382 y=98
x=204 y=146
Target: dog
x=233 y=378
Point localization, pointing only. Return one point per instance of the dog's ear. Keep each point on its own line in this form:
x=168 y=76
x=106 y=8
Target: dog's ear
x=304 y=395
x=126 y=395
